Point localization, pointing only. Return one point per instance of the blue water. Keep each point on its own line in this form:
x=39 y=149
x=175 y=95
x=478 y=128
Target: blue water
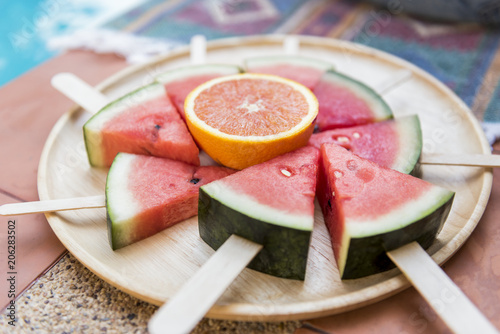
x=26 y=26
x=21 y=45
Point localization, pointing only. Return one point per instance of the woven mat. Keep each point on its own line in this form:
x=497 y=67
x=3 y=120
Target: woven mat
x=71 y=299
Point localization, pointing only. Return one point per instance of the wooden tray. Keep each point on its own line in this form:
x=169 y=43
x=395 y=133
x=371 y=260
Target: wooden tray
x=154 y=269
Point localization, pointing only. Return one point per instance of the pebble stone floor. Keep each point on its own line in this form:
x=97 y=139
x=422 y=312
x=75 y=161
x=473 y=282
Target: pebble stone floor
x=70 y=299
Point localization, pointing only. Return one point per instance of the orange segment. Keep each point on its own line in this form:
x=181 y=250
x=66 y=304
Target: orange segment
x=245 y=119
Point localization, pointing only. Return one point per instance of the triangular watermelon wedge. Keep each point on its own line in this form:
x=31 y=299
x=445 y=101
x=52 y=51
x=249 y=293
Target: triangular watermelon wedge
x=272 y=204
x=304 y=70
x=145 y=195
x=345 y=102
x=370 y=209
x=181 y=81
x=395 y=143
x=142 y=122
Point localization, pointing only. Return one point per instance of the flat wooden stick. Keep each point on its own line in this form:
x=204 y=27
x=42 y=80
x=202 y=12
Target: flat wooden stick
x=192 y=302
x=449 y=302
x=477 y=160
x=53 y=205
x=79 y=92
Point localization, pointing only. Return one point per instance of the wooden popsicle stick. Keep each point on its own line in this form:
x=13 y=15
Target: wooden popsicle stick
x=477 y=160
x=198 y=49
x=53 y=205
x=79 y=92
x=449 y=302
x=200 y=292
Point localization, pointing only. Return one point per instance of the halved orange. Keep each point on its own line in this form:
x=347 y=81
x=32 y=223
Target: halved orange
x=245 y=119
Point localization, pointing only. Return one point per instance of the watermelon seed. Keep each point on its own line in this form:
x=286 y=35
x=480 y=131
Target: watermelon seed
x=157 y=127
x=285 y=172
x=330 y=204
x=356 y=135
x=338 y=174
x=194 y=181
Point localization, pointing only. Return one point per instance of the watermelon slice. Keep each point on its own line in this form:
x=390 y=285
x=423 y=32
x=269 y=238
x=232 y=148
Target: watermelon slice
x=345 y=102
x=145 y=195
x=272 y=204
x=306 y=71
x=181 y=81
x=395 y=143
x=142 y=122
x=370 y=209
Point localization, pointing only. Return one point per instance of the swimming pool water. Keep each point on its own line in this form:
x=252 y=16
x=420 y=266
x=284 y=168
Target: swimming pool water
x=26 y=26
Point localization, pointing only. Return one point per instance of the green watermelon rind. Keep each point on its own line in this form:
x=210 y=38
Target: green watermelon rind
x=194 y=70
x=91 y=129
x=116 y=185
x=381 y=110
x=253 y=62
x=285 y=249
x=410 y=141
x=367 y=255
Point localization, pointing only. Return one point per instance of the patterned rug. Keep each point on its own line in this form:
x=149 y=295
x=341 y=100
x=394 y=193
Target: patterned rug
x=466 y=57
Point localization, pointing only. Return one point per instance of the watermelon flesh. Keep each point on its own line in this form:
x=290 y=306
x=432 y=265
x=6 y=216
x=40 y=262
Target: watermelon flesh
x=145 y=195
x=306 y=71
x=345 y=102
x=395 y=143
x=181 y=81
x=272 y=204
x=370 y=209
x=142 y=122
x=178 y=90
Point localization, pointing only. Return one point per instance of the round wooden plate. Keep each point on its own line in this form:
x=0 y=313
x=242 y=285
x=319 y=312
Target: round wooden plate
x=155 y=268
